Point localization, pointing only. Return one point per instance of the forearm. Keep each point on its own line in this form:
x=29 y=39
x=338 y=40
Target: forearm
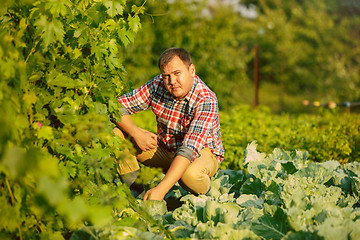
x=175 y=172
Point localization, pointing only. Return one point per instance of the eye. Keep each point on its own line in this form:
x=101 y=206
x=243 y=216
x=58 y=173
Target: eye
x=165 y=77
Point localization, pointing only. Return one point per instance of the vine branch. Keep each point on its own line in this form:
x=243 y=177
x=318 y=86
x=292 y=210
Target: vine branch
x=87 y=93
x=12 y=202
x=10 y=191
x=141 y=7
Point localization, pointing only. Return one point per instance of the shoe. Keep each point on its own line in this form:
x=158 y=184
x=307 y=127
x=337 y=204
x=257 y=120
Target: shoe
x=137 y=190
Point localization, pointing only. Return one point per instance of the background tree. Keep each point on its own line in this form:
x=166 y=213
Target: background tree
x=308 y=50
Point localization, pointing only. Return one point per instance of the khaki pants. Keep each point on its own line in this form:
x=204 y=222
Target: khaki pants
x=196 y=178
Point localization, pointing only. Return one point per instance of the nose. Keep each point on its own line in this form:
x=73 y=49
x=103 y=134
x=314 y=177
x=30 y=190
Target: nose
x=171 y=79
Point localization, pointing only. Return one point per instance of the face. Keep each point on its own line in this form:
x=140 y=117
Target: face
x=178 y=77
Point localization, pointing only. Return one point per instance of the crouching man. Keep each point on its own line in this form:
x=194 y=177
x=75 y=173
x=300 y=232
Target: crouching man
x=187 y=145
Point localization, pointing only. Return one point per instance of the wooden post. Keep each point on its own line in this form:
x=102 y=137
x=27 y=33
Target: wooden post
x=256 y=76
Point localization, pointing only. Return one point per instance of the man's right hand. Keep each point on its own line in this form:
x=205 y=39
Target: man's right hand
x=145 y=140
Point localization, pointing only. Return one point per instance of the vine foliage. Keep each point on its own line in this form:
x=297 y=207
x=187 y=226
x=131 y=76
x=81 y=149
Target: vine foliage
x=60 y=73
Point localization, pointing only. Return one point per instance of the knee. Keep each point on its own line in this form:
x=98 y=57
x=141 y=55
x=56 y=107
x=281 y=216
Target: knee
x=195 y=181
x=119 y=133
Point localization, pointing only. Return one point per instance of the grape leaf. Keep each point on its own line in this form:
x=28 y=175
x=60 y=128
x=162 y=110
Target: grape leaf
x=50 y=31
x=114 y=7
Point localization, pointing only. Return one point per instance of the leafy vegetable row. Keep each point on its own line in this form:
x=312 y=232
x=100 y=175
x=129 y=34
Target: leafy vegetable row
x=281 y=195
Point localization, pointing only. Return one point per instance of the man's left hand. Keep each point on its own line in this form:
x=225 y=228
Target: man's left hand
x=154 y=194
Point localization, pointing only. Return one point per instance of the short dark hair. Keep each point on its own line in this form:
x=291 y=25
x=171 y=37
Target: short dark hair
x=170 y=53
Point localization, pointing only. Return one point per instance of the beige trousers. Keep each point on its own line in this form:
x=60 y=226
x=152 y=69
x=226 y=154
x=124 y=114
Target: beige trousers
x=196 y=178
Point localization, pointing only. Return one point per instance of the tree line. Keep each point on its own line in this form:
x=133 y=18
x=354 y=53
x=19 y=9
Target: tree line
x=307 y=50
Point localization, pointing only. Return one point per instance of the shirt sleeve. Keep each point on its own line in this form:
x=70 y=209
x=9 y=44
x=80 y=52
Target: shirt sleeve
x=138 y=99
x=205 y=115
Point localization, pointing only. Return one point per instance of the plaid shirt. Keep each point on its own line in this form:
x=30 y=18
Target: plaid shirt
x=186 y=125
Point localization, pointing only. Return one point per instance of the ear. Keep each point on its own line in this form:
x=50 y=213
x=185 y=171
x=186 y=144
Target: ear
x=192 y=70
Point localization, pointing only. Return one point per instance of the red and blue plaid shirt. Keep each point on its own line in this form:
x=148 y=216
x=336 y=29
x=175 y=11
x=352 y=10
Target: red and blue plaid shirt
x=184 y=126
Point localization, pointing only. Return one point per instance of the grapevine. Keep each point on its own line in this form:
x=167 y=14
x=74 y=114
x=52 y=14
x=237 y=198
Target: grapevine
x=61 y=71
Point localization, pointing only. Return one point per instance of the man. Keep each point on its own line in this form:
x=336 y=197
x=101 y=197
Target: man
x=187 y=145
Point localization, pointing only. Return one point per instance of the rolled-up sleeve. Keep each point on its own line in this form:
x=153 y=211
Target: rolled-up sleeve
x=200 y=128
x=138 y=99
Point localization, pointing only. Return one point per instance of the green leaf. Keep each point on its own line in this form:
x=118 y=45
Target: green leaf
x=213 y=211
x=100 y=108
x=58 y=7
x=82 y=235
x=30 y=98
x=355 y=183
x=353 y=168
x=100 y=218
x=50 y=31
x=54 y=78
x=316 y=171
x=302 y=235
x=181 y=230
x=335 y=227
x=18 y=161
x=75 y=209
x=79 y=30
x=46 y=132
x=124 y=36
x=289 y=167
x=271 y=227
x=54 y=190
x=99 y=51
x=114 y=7
x=232 y=213
x=296 y=199
x=134 y=23
x=66 y=113
x=13 y=160
x=154 y=208
x=253 y=186
x=234 y=176
x=71 y=168
x=273 y=194
x=113 y=61
x=136 y=9
x=10 y=216
x=48 y=165
x=252 y=155
x=104 y=90
x=249 y=200
x=220 y=185
x=188 y=214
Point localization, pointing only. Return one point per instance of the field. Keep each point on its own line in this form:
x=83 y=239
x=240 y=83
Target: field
x=281 y=195
x=324 y=134
x=278 y=194
x=284 y=177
